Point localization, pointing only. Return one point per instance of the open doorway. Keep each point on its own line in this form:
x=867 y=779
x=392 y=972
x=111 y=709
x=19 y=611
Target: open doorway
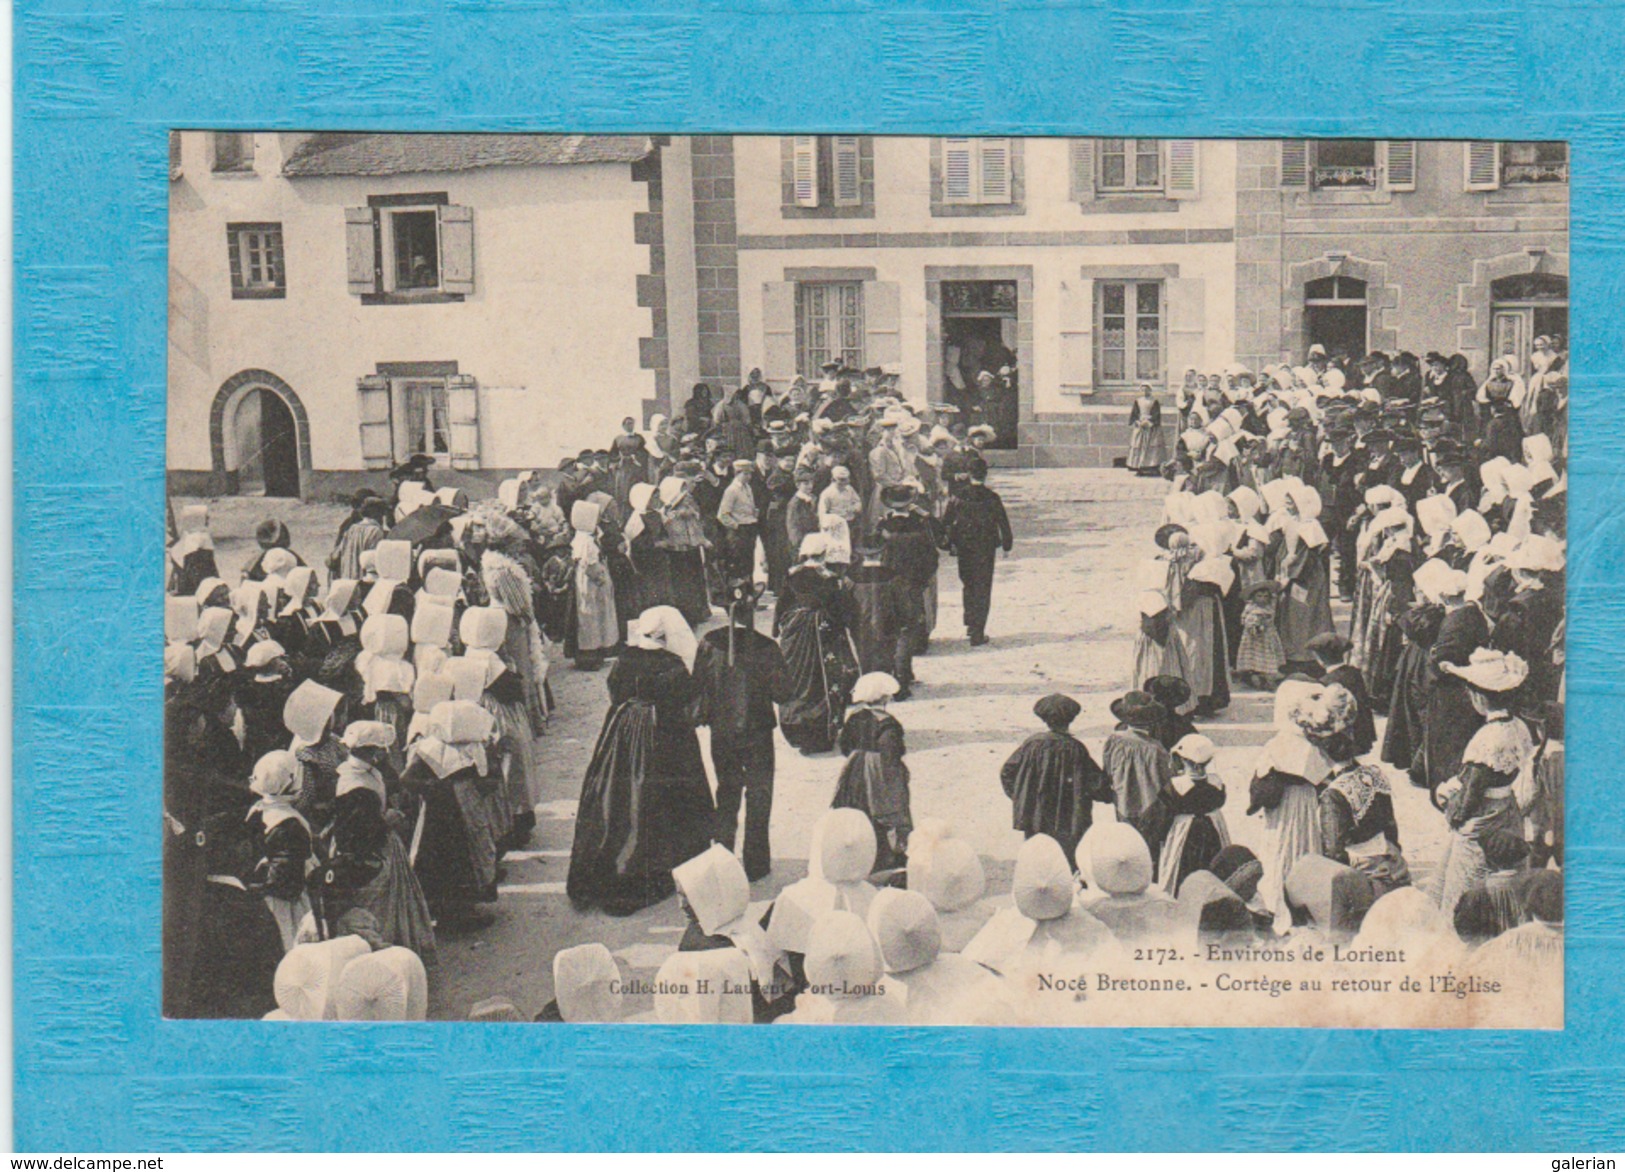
x=267 y=445
x=980 y=371
x=1334 y=316
x=1525 y=307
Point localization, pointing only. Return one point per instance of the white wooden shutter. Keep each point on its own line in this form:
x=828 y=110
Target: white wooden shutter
x=463 y=395
x=956 y=170
x=779 y=332
x=361 y=251
x=1187 y=327
x=1399 y=164
x=1295 y=163
x=1083 y=169
x=806 y=170
x=848 y=180
x=1483 y=166
x=994 y=166
x=377 y=432
x=456 y=249
x=882 y=323
x=1077 y=335
x=1184 y=178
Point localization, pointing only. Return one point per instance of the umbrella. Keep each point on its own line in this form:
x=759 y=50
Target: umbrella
x=422 y=523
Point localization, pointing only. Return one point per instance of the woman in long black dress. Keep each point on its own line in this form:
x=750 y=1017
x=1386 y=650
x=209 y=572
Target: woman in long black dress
x=875 y=777
x=813 y=619
x=651 y=562
x=645 y=804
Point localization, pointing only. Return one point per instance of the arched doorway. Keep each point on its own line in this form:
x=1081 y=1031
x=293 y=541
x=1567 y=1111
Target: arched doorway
x=1334 y=315
x=266 y=444
x=259 y=435
x=1524 y=307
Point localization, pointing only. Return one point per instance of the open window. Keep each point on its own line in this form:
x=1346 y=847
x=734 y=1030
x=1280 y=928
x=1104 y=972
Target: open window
x=404 y=249
x=1534 y=163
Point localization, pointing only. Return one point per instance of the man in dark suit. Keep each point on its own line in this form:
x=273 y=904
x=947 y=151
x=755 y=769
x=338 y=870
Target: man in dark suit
x=740 y=675
x=1332 y=650
x=976 y=527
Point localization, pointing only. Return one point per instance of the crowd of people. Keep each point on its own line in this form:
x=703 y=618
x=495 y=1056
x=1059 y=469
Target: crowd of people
x=351 y=738
x=1435 y=507
x=352 y=761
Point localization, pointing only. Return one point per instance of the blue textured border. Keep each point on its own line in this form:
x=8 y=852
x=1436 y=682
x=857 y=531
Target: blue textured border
x=95 y=1066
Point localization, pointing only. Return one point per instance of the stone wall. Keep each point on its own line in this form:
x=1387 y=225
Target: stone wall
x=716 y=262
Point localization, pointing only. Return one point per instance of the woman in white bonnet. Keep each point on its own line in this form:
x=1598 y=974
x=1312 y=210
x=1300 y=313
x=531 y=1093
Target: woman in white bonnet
x=645 y=801
x=1479 y=800
x=593 y=627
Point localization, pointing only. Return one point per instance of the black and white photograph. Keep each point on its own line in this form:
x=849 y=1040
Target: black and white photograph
x=848 y=579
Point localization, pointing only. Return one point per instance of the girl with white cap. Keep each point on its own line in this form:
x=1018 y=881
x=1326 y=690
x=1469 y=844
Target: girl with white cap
x=1195 y=799
x=1284 y=787
x=284 y=840
x=875 y=778
x=645 y=801
x=593 y=627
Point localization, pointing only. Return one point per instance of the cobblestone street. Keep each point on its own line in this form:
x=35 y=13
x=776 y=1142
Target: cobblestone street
x=1063 y=620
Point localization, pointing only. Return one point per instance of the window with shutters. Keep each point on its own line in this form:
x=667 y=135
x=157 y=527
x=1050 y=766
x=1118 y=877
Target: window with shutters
x=829 y=324
x=405 y=249
x=233 y=153
x=255 y=257
x=1129 y=165
x=827 y=176
x=1534 y=162
x=977 y=177
x=1130 y=334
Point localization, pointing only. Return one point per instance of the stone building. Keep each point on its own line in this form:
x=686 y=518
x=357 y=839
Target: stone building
x=339 y=302
x=1400 y=245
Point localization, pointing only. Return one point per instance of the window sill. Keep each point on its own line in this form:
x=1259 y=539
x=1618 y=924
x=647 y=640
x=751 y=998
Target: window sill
x=857 y=212
x=953 y=210
x=1119 y=202
x=430 y=298
x=1528 y=193
x=1345 y=197
x=234 y=173
x=258 y=294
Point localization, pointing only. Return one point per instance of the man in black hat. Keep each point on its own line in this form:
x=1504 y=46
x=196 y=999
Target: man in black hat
x=1340 y=474
x=909 y=551
x=739 y=675
x=1413 y=478
x=1374 y=371
x=1451 y=462
x=1332 y=652
x=413 y=468
x=975 y=527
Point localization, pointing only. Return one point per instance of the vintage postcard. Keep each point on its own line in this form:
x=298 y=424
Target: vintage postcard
x=848 y=579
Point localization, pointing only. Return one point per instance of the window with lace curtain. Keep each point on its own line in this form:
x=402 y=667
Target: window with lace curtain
x=829 y=324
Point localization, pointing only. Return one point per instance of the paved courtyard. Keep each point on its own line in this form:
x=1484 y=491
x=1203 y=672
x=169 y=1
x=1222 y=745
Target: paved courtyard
x=1063 y=620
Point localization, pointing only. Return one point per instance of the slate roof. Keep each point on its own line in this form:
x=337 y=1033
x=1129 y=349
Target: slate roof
x=410 y=154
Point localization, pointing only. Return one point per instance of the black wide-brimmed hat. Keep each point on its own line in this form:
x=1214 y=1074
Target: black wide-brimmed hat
x=1136 y=708
x=1166 y=533
x=897 y=496
x=1169 y=691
